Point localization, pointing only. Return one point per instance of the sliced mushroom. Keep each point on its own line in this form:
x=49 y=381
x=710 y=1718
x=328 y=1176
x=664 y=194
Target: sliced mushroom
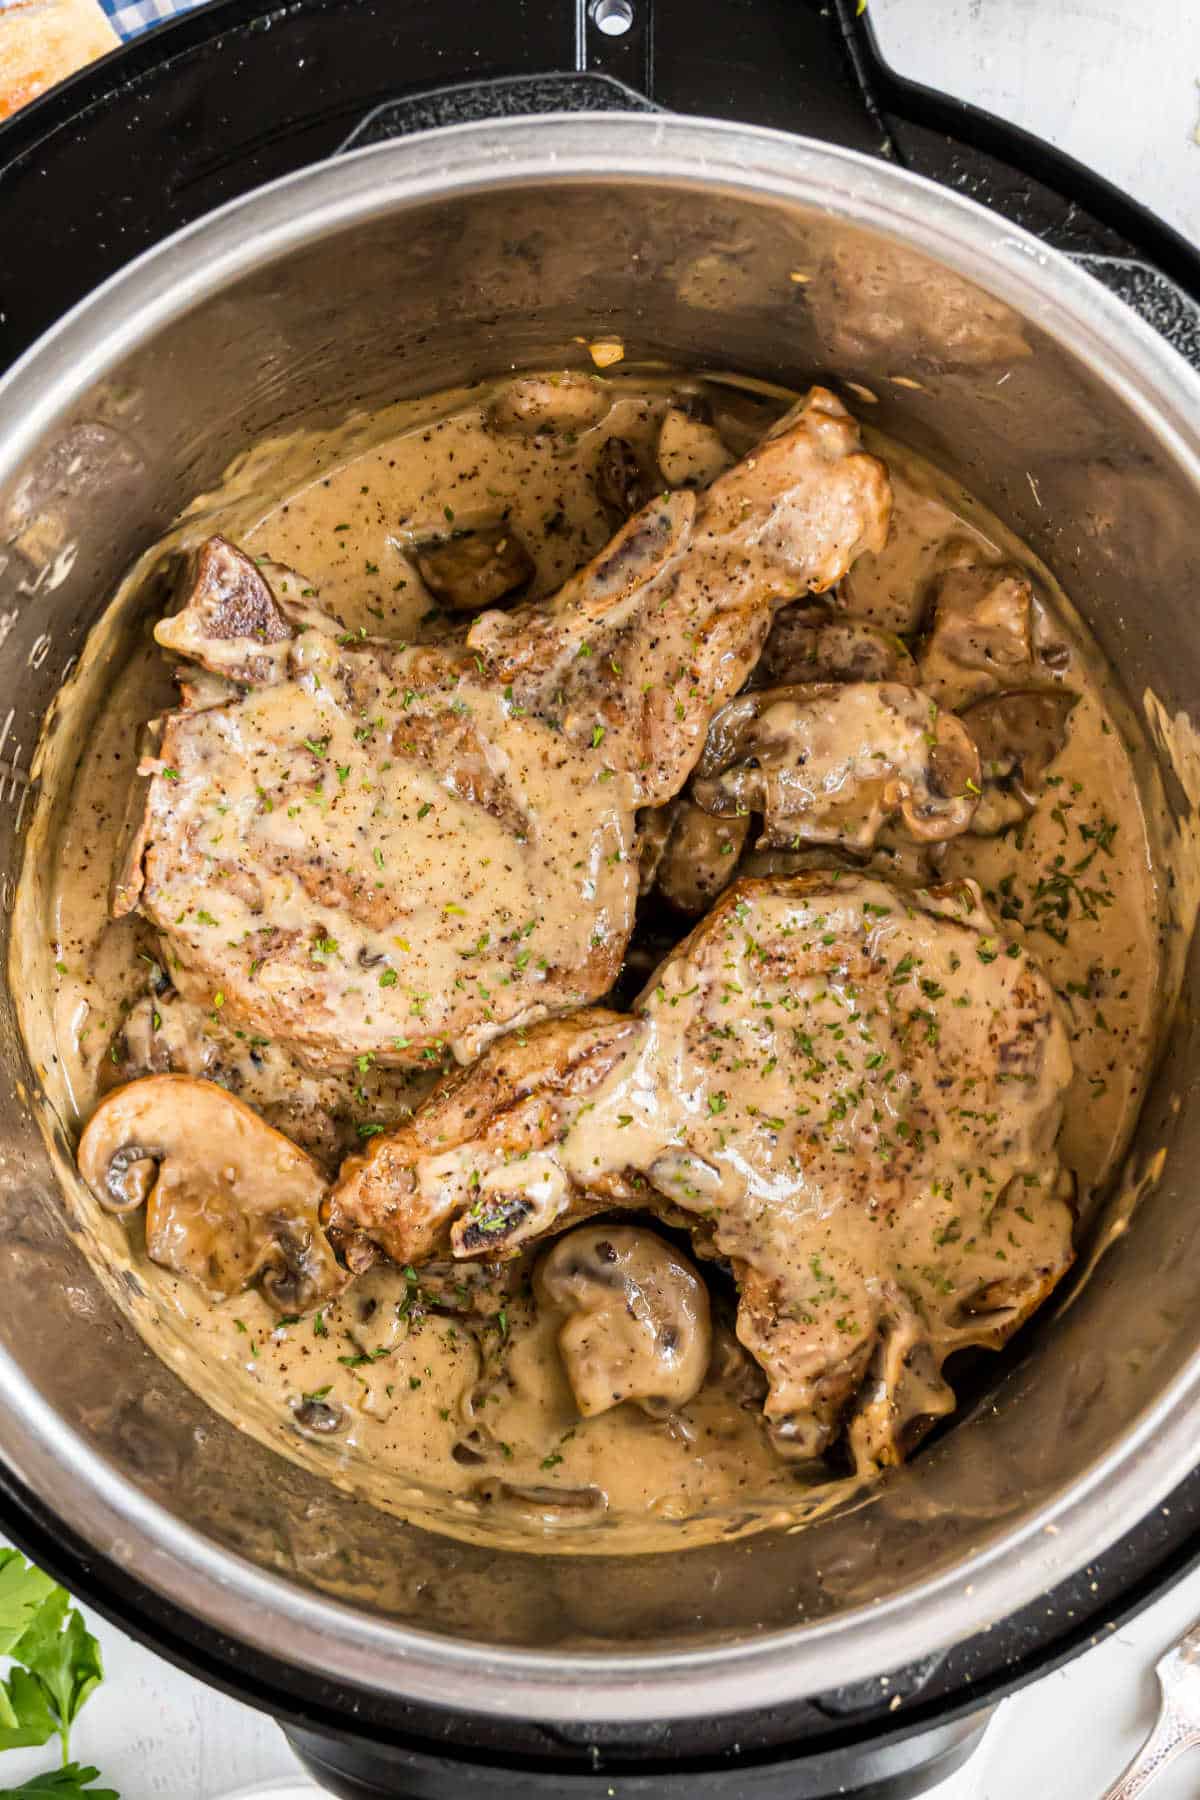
x=893 y=856
x=980 y=636
x=638 y=1325
x=314 y=1414
x=810 y=642
x=160 y=1032
x=699 y=854
x=1018 y=736
x=653 y=830
x=830 y=764
x=475 y=569
x=567 y=403
x=691 y=452
x=543 y=1505
x=229 y=1201
x=623 y=486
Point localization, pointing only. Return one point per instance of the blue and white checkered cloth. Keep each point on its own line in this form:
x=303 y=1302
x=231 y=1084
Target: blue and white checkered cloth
x=128 y=17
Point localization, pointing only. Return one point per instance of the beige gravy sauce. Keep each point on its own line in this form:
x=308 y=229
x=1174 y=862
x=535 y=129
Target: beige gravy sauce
x=459 y=1413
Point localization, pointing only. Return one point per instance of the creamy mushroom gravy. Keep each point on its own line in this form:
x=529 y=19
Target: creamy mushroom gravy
x=428 y=1374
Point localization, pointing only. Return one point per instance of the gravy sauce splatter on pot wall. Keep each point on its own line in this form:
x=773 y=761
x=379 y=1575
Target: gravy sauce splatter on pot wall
x=589 y=1390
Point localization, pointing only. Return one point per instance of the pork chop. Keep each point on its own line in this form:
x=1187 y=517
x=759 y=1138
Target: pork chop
x=359 y=848
x=851 y=1092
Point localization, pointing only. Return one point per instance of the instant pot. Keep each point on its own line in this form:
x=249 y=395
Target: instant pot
x=413 y=234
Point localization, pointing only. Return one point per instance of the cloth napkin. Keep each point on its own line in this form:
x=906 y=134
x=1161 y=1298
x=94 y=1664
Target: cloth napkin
x=128 y=17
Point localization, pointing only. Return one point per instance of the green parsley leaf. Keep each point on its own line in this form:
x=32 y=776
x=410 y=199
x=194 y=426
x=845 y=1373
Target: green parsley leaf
x=26 y=1717
x=66 y=1661
x=23 y=1591
x=71 y=1782
x=60 y=1662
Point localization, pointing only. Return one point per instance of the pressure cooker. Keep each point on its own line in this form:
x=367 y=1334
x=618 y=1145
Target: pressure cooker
x=259 y=220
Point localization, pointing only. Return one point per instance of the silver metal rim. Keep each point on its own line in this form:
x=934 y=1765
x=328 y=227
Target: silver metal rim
x=323 y=1636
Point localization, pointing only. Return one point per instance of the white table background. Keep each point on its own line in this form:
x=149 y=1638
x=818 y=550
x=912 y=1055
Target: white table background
x=1115 y=83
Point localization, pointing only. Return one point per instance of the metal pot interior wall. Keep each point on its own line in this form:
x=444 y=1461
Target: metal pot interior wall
x=450 y=290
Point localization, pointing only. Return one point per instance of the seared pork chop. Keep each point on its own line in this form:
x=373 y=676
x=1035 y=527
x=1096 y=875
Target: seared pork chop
x=362 y=849
x=851 y=1093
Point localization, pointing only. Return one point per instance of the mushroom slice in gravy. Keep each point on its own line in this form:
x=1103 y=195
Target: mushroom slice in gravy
x=692 y=854
x=981 y=633
x=1018 y=736
x=850 y=1091
x=833 y=764
x=691 y=452
x=811 y=642
x=560 y=405
x=475 y=568
x=542 y=1505
x=228 y=1200
x=637 y=1318
x=623 y=484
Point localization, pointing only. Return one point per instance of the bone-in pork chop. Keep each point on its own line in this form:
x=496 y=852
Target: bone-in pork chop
x=849 y=1091
x=359 y=848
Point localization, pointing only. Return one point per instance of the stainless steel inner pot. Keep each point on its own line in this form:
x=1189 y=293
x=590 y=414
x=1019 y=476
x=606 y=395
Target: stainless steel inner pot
x=460 y=254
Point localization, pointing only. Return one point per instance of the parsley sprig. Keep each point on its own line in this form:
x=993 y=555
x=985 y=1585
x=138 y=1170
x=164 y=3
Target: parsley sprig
x=56 y=1668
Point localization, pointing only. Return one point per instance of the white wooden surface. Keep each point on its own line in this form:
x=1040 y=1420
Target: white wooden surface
x=1115 y=83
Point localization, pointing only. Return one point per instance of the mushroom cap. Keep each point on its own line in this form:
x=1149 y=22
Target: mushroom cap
x=638 y=1324
x=691 y=452
x=980 y=635
x=623 y=486
x=831 y=763
x=697 y=856
x=1018 y=735
x=534 y=404
x=228 y=1199
x=474 y=569
x=810 y=642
